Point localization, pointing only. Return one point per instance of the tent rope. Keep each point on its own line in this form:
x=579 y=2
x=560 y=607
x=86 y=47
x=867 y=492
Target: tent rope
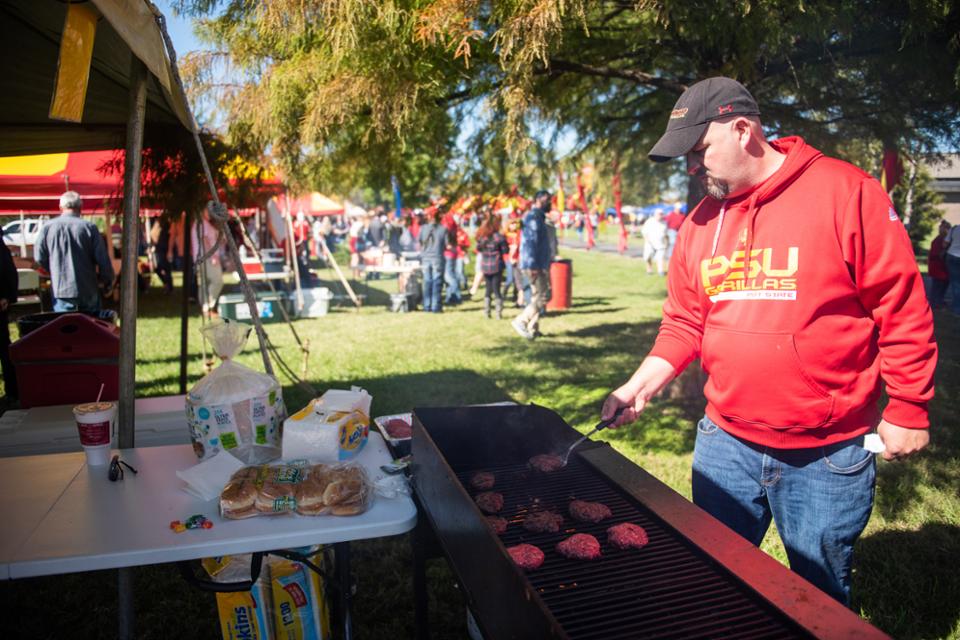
x=217 y=210
x=220 y=215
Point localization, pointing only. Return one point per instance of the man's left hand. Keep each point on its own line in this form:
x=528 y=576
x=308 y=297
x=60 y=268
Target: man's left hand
x=900 y=441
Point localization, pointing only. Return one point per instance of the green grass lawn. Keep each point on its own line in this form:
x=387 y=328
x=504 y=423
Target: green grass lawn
x=905 y=579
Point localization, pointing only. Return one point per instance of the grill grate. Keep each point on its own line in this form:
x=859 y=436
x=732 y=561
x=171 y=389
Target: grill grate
x=668 y=589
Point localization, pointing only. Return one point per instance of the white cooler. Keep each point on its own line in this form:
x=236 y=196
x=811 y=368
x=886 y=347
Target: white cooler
x=316 y=302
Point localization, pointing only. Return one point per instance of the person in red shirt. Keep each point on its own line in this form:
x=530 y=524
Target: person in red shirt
x=937 y=267
x=795 y=284
x=450 y=279
x=673 y=219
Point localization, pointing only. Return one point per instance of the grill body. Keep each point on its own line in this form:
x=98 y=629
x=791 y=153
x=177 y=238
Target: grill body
x=672 y=588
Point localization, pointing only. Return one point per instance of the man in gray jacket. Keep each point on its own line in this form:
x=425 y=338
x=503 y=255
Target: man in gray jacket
x=71 y=249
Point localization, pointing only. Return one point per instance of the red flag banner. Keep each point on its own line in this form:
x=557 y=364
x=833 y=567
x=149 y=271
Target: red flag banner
x=618 y=204
x=892 y=169
x=588 y=223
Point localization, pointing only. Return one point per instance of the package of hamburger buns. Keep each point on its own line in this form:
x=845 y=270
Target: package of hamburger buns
x=235 y=408
x=341 y=489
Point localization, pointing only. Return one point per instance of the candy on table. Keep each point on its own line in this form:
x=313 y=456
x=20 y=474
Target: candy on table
x=198 y=521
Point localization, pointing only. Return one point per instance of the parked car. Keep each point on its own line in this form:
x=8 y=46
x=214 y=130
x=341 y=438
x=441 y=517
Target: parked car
x=12 y=232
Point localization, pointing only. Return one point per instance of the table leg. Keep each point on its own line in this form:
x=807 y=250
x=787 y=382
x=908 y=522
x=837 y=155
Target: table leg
x=125 y=613
x=342 y=554
x=420 y=603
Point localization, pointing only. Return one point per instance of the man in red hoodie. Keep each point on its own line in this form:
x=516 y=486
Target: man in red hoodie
x=795 y=284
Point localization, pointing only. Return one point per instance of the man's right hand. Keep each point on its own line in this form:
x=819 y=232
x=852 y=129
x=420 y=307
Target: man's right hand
x=652 y=375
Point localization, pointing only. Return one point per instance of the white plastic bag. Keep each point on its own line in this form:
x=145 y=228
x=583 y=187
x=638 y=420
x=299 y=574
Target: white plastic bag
x=235 y=408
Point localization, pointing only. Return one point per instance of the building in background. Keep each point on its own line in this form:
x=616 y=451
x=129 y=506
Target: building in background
x=945 y=174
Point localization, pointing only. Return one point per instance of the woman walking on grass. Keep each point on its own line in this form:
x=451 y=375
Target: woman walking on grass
x=491 y=245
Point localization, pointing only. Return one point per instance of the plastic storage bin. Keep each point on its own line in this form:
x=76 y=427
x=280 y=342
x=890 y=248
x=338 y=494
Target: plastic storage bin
x=316 y=302
x=233 y=306
x=66 y=360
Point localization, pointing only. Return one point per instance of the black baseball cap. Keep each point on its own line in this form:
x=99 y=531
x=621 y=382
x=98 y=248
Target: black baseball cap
x=707 y=100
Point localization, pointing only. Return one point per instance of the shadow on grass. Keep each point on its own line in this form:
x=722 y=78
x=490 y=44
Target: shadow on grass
x=914 y=587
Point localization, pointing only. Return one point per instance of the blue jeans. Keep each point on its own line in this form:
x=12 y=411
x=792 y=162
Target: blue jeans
x=77 y=304
x=432 y=284
x=820 y=499
x=953 y=270
x=452 y=281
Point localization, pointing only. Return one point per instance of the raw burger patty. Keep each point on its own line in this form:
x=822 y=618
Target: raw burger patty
x=482 y=480
x=589 y=511
x=499 y=525
x=546 y=462
x=526 y=556
x=489 y=501
x=543 y=522
x=627 y=536
x=398 y=428
x=580 y=546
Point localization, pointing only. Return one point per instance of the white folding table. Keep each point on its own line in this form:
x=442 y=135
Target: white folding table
x=79 y=520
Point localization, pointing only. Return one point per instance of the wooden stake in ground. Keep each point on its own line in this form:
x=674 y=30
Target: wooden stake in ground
x=343 y=279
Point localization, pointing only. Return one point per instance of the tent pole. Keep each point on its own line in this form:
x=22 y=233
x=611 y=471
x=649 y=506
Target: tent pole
x=129 y=276
x=136 y=110
x=187 y=259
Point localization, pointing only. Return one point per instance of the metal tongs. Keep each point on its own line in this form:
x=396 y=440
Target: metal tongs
x=603 y=424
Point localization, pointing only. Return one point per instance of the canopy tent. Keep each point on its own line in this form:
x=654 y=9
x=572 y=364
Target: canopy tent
x=131 y=90
x=33 y=184
x=31 y=35
x=312 y=204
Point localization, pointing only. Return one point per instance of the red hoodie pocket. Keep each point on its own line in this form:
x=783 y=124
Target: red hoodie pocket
x=759 y=378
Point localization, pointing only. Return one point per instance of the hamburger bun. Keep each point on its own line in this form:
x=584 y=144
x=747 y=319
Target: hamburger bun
x=237 y=498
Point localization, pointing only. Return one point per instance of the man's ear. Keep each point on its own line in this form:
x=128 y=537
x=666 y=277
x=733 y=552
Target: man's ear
x=744 y=130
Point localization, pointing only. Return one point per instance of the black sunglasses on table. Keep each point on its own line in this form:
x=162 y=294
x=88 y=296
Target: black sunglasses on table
x=116 y=469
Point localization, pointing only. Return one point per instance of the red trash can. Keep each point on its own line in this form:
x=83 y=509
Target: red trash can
x=65 y=361
x=561 y=284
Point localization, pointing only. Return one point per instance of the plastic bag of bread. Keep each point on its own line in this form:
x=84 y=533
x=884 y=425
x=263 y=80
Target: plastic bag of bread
x=233 y=407
x=338 y=490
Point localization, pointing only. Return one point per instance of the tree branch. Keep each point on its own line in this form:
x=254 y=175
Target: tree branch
x=638 y=77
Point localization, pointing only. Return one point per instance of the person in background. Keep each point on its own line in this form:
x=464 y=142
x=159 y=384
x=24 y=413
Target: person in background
x=463 y=248
x=952 y=247
x=301 y=241
x=492 y=247
x=654 y=232
x=798 y=339
x=376 y=229
x=357 y=243
x=203 y=240
x=535 y=263
x=160 y=238
x=674 y=219
x=450 y=278
x=937 y=267
x=73 y=252
x=512 y=281
x=433 y=242
x=9 y=286
x=408 y=239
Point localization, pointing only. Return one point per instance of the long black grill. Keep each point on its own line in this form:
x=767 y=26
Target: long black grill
x=694 y=578
x=665 y=590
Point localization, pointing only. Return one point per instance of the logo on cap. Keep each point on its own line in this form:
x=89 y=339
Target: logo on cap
x=722 y=109
x=676 y=114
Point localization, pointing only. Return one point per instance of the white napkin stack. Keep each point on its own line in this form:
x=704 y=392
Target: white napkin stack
x=207 y=479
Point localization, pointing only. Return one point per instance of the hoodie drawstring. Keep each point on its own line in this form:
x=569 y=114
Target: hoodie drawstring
x=748 y=241
x=716 y=234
